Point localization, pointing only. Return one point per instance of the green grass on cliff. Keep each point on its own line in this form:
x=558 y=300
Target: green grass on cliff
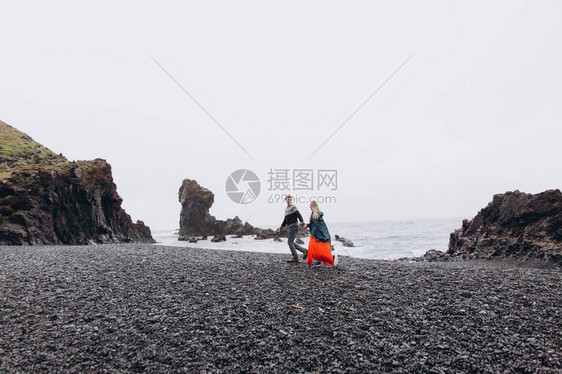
x=20 y=153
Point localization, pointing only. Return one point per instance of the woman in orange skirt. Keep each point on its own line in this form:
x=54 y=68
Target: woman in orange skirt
x=319 y=246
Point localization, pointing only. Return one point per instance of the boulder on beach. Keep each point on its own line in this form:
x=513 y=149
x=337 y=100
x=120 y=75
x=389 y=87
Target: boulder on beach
x=434 y=255
x=46 y=199
x=218 y=238
x=345 y=242
x=514 y=225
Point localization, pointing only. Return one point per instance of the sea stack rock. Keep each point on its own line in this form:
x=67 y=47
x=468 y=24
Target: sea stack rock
x=514 y=225
x=195 y=219
x=195 y=204
x=46 y=199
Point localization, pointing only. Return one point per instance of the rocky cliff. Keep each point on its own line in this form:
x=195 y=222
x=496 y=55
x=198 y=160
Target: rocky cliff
x=45 y=199
x=514 y=225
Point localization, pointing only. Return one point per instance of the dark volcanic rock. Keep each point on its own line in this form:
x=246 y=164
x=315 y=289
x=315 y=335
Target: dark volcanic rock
x=218 y=238
x=246 y=229
x=515 y=225
x=45 y=199
x=187 y=238
x=265 y=234
x=435 y=255
x=195 y=218
x=345 y=242
x=195 y=204
x=273 y=234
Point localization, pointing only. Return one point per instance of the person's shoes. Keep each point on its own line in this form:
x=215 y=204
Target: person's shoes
x=305 y=254
x=336 y=260
x=293 y=260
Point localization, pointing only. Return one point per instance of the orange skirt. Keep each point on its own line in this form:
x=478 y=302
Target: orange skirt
x=320 y=251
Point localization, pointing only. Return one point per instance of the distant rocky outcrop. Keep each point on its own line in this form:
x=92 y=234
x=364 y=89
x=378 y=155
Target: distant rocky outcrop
x=266 y=234
x=345 y=242
x=187 y=238
x=514 y=225
x=195 y=219
x=45 y=199
x=273 y=234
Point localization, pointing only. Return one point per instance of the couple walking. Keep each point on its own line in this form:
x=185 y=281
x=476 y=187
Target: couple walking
x=319 y=246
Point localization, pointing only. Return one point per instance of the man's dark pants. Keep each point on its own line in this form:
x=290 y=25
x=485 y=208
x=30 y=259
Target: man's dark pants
x=294 y=247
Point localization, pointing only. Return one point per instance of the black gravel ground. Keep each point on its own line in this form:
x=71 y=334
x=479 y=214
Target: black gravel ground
x=133 y=308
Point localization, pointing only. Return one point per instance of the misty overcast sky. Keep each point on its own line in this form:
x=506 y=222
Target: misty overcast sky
x=476 y=111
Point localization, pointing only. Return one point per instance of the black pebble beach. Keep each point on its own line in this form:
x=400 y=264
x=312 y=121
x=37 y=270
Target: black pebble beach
x=149 y=308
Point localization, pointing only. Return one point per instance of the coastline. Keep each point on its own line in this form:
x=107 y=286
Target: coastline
x=143 y=307
x=381 y=240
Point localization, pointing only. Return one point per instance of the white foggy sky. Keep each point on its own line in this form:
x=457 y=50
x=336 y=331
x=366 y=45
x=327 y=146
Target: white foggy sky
x=476 y=111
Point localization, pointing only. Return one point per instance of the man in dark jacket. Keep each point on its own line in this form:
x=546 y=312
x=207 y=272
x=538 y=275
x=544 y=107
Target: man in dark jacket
x=292 y=214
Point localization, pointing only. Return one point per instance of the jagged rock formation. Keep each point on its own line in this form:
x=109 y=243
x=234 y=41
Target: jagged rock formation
x=514 y=225
x=45 y=199
x=273 y=234
x=195 y=219
x=266 y=234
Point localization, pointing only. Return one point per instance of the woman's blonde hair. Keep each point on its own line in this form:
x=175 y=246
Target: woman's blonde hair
x=315 y=209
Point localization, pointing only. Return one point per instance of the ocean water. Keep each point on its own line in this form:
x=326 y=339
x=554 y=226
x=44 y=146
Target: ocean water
x=377 y=240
